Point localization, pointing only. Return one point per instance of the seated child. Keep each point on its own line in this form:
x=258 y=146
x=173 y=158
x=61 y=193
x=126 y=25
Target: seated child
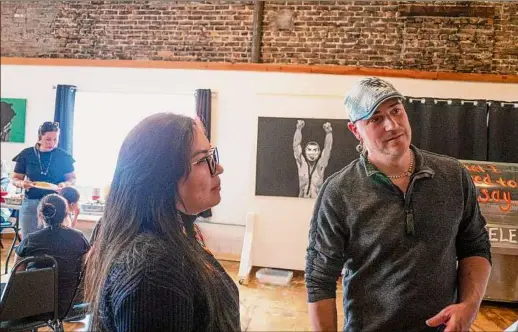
x=72 y=196
x=68 y=246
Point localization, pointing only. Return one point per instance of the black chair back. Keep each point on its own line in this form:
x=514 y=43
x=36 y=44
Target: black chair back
x=32 y=292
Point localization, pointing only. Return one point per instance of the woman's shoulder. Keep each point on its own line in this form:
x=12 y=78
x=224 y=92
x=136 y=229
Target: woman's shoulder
x=150 y=258
x=73 y=233
x=25 y=153
x=62 y=153
x=145 y=268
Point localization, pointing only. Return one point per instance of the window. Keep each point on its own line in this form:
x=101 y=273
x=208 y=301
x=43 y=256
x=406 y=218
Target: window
x=102 y=121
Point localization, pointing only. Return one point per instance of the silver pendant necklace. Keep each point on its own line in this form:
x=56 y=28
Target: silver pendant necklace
x=37 y=152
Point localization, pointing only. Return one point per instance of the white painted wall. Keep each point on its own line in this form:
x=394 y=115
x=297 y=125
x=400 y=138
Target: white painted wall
x=280 y=233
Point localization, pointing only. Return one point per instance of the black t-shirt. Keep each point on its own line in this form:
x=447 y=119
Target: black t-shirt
x=67 y=246
x=53 y=167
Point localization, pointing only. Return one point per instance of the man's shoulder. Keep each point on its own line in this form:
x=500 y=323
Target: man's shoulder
x=346 y=175
x=440 y=161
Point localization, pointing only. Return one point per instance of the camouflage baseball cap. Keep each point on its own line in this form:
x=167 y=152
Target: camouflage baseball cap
x=366 y=95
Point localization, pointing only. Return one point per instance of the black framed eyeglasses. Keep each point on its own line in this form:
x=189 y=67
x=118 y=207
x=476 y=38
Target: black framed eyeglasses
x=212 y=159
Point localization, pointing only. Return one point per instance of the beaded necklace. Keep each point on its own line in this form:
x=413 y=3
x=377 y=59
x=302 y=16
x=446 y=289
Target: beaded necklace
x=37 y=152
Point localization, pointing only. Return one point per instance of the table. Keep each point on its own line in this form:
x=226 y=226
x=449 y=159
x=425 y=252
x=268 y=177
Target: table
x=15 y=227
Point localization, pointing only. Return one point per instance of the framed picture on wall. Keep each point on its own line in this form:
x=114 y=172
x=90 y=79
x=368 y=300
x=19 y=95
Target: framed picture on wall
x=13 y=113
x=296 y=155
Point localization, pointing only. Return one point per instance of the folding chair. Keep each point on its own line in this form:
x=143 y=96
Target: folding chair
x=15 y=226
x=30 y=299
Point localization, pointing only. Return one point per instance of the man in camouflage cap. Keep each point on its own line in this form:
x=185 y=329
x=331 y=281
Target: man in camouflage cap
x=404 y=226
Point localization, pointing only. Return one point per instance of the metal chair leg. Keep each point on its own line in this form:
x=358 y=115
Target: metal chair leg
x=16 y=237
x=58 y=326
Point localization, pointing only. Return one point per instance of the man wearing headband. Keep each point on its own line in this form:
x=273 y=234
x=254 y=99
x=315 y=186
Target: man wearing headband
x=402 y=223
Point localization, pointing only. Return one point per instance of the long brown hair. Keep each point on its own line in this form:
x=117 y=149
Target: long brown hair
x=153 y=158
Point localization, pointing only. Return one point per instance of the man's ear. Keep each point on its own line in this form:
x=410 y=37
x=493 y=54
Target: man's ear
x=353 y=129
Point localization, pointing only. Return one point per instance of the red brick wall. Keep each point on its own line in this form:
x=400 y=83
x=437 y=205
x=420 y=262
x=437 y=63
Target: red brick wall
x=153 y=30
x=27 y=28
x=464 y=36
x=334 y=32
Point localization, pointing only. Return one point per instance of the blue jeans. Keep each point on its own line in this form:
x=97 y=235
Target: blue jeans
x=29 y=216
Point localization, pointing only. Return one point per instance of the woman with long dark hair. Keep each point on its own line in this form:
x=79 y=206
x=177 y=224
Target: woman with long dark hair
x=147 y=271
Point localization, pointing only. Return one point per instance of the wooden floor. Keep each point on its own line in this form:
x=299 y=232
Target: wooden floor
x=271 y=308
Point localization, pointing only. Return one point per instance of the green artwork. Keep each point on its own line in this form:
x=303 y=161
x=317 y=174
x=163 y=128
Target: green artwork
x=13 y=119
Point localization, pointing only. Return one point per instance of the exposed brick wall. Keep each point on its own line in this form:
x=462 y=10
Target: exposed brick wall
x=387 y=34
x=459 y=36
x=334 y=32
x=156 y=30
x=463 y=44
x=27 y=28
x=505 y=52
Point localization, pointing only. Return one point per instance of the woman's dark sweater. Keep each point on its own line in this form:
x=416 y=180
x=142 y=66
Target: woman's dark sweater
x=159 y=292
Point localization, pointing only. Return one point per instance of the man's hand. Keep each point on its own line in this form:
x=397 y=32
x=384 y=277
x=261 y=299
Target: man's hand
x=300 y=124
x=327 y=127
x=456 y=317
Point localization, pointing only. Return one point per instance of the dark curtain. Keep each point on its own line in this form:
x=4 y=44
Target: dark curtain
x=503 y=132
x=203 y=110
x=64 y=114
x=457 y=129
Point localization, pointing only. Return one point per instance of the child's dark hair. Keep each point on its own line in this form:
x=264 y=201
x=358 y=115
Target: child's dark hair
x=70 y=194
x=52 y=209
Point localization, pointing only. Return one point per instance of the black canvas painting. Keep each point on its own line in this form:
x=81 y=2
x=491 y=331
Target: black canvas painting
x=296 y=155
